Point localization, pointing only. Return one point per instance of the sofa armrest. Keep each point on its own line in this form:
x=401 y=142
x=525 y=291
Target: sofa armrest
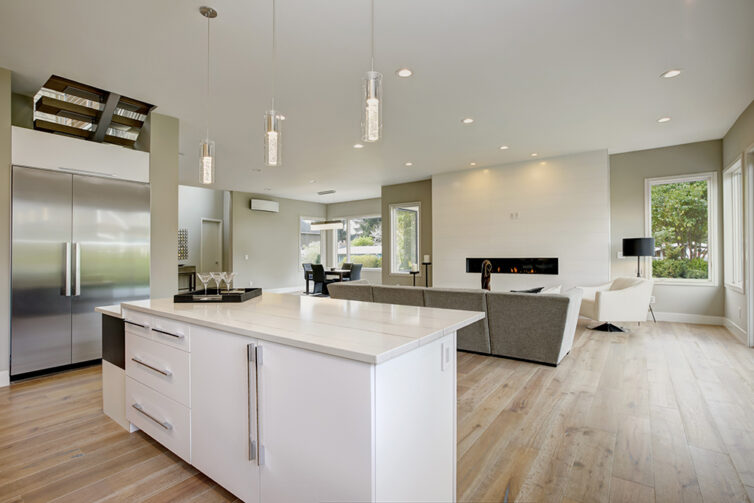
x=627 y=304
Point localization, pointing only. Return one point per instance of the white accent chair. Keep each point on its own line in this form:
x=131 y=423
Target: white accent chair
x=622 y=300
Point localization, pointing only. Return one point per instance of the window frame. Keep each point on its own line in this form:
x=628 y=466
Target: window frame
x=737 y=166
x=321 y=240
x=347 y=221
x=418 y=204
x=712 y=225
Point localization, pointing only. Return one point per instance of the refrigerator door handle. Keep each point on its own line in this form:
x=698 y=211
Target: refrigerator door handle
x=67 y=287
x=77 y=255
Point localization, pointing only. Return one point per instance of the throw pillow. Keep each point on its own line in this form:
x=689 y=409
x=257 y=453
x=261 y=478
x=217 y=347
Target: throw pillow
x=530 y=290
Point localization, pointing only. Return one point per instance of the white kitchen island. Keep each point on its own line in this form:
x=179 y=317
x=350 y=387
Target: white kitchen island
x=286 y=398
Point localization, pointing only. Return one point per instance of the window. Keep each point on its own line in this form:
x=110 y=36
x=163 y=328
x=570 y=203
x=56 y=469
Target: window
x=733 y=225
x=310 y=251
x=361 y=242
x=404 y=229
x=680 y=215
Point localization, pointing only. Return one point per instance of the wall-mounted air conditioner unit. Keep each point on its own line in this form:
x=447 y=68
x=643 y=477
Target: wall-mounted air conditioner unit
x=262 y=205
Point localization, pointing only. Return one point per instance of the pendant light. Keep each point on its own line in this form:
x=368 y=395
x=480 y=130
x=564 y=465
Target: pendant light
x=371 y=121
x=207 y=147
x=273 y=145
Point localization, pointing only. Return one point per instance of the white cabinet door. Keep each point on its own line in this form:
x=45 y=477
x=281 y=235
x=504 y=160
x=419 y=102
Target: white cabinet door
x=316 y=414
x=223 y=412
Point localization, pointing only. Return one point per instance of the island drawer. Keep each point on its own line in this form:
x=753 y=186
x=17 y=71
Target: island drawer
x=137 y=323
x=161 y=367
x=163 y=419
x=171 y=332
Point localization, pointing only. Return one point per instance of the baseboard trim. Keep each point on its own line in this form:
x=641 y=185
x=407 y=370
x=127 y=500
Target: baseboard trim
x=695 y=319
x=4 y=378
x=737 y=331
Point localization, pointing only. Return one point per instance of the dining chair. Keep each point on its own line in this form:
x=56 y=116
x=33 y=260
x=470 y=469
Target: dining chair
x=355 y=273
x=307 y=275
x=320 y=279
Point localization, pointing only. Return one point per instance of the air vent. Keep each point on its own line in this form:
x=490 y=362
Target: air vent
x=325 y=192
x=75 y=109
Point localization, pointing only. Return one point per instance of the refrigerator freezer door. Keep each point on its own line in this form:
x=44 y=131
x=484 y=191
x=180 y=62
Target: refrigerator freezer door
x=111 y=248
x=41 y=235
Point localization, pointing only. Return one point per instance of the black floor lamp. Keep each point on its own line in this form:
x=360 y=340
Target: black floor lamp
x=640 y=247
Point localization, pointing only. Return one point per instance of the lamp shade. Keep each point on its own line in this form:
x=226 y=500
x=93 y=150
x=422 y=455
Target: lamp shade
x=638 y=247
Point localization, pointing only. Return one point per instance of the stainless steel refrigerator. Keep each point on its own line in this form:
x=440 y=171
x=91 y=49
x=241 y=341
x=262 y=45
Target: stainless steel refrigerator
x=77 y=242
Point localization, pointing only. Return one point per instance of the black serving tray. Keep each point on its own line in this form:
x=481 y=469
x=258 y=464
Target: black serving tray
x=212 y=295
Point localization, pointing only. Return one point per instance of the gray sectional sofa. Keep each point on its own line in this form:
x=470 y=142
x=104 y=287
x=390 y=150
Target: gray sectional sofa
x=525 y=326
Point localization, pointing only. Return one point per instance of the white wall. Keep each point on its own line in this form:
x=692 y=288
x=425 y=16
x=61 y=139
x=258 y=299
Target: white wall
x=563 y=211
x=360 y=208
x=270 y=241
x=195 y=203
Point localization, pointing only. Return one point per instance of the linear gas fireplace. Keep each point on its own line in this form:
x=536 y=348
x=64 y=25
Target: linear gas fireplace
x=515 y=265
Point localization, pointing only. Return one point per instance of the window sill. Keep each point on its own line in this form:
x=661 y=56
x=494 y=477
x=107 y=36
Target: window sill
x=685 y=282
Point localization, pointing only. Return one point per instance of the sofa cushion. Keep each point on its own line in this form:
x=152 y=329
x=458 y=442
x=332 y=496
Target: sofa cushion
x=475 y=337
x=402 y=295
x=351 y=290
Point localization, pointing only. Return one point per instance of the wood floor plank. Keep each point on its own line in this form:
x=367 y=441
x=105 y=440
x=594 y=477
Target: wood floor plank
x=625 y=491
x=633 y=451
x=674 y=472
x=589 y=479
x=718 y=479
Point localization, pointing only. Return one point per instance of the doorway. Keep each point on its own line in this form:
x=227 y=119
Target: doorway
x=211 y=248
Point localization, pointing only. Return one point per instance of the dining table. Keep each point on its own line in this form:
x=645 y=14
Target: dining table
x=340 y=273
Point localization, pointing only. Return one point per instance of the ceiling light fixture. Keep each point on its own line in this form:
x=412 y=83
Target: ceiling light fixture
x=312 y=181
x=207 y=147
x=663 y=119
x=504 y=147
x=409 y=164
x=671 y=73
x=371 y=122
x=467 y=120
x=273 y=141
x=404 y=72
x=358 y=145
x=472 y=164
x=534 y=154
x=327 y=225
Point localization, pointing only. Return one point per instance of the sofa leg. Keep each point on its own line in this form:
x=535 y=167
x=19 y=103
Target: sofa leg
x=607 y=327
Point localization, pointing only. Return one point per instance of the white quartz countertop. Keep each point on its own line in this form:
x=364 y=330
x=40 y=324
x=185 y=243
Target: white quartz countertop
x=113 y=310
x=363 y=331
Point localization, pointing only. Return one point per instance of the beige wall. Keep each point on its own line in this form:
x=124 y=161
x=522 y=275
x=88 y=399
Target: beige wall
x=735 y=143
x=359 y=208
x=269 y=240
x=5 y=195
x=407 y=193
x=627 y=174
x=163 y=180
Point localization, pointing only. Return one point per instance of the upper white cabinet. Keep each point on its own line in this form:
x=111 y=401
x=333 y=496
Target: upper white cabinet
x=37 y=149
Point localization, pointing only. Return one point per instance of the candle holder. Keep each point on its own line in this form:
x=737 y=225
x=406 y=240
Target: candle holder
x=426 y=273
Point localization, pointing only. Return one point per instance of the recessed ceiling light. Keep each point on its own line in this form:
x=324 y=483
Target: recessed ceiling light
x=467 y=120
x=671 y=73
x=409 y=164
x=312 y=181
x=504 y=147
x=267 y=189
x=358 y=145
x=472 y=164
x=663 y=119
x=257 y=170
x=325 y=192
x=404 y=72
x=534 y=154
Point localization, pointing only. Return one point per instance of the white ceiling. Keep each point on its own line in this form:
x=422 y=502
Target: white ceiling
x=546 y=76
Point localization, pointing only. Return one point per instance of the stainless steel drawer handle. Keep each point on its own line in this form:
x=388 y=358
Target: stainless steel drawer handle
x=177 y=336
x=145 y=364
x=136 y=324
x=164 y=424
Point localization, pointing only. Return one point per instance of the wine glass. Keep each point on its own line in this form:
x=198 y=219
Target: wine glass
x=229 y=279
x=216 y=276
x=204 y=278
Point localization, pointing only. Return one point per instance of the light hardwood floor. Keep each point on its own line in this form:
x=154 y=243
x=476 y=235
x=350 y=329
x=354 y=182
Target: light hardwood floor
x=665 y=413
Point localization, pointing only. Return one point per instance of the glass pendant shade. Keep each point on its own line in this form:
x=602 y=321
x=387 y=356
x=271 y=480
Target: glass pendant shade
x=371 y=122
x=273 y=139
x=207 y=162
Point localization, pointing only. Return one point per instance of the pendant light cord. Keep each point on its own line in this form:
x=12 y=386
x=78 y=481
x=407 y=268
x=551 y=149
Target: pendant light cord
x=372 y=21
x=207 y=102
x=274 y=51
